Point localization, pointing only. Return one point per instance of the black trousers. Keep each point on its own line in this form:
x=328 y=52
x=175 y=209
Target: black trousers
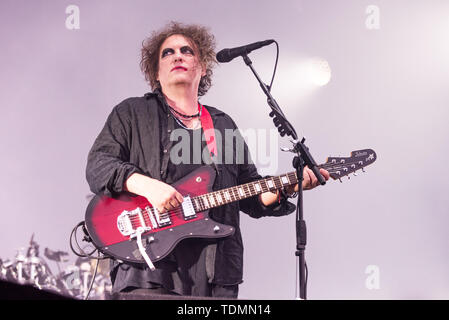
x=160 y=293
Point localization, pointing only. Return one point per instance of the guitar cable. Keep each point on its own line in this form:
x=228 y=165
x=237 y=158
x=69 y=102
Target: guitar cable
x=83 y=254
x=86 y=238
x=93 y=277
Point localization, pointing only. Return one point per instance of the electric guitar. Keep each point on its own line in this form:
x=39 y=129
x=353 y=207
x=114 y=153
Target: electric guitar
x=130 y=229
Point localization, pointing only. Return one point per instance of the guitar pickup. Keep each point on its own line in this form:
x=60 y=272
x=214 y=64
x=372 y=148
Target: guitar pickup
x=163 y=219
x=187 y=209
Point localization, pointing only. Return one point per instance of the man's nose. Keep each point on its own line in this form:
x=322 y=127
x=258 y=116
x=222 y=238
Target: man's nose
x=177 y=56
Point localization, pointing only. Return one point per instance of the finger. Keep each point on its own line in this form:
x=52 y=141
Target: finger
x=174 y=204
x=307 y=178
x=314 y=180
x=179 y=197
x=325 y=174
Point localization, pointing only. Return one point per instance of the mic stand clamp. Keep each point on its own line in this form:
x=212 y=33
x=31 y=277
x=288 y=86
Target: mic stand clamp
x=303 y=158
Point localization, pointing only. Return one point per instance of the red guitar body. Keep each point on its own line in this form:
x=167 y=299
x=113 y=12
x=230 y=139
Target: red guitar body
x=103 y=213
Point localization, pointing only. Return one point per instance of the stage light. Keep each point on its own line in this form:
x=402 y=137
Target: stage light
x=300 y=77
x=318 y=72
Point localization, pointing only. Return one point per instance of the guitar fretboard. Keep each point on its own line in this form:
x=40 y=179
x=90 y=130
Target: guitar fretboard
x=243 y=191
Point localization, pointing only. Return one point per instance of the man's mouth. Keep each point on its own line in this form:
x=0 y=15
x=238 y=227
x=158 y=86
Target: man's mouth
x=179 y=68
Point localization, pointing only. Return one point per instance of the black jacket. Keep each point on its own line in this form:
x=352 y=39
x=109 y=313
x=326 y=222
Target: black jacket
x=134 y=138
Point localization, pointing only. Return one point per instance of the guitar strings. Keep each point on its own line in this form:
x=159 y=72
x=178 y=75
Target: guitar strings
x=178 y=212
x=232 y=196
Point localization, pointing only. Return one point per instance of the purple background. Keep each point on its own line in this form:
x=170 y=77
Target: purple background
x=388 y=91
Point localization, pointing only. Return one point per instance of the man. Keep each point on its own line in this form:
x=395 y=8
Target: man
x=132 y=154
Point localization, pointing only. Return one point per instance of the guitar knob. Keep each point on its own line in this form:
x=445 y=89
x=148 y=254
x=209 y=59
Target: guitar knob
x=216 y=228
x=363 y=169
x=355 y=174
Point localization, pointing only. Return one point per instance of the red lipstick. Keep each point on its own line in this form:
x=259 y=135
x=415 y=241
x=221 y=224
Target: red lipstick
x=179 y=68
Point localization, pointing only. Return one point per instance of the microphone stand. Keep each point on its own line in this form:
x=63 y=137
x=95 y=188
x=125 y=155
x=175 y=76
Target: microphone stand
x=303 y=158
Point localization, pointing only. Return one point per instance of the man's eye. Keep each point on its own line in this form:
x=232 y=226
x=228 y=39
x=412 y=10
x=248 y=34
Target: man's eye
x=187 y=50
x=165 y=52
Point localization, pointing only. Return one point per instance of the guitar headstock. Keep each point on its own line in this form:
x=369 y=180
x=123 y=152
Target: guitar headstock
x=339 y=167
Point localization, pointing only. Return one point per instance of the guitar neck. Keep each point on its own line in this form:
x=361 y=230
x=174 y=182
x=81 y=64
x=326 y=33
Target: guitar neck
x=243 y=191
x=337 y=168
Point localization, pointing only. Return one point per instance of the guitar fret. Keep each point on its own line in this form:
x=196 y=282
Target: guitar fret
x=206 y=202
x=241 y=192
x=277 y=182
x=219 y=199
x=212 y=200
x=203 y=206
x=230 y=195
x=234 y=193
x=270 y=184
x=263 y=185
x=201 y=203
x=197 y=204
x=215 y=198
x=223 y=195
x=284 y=180
x=292 y=177
x=237 y=193
x=250 y=191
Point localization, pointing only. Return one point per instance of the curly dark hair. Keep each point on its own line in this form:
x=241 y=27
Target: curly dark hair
x=200 y=37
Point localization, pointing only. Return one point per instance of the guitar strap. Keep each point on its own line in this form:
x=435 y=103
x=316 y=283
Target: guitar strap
x=209 y=132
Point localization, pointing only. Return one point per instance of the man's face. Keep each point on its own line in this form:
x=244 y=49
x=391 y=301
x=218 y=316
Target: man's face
x=179 y=64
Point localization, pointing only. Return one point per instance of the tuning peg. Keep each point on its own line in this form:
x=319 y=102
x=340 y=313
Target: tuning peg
x=286 y=149
x=355 y=174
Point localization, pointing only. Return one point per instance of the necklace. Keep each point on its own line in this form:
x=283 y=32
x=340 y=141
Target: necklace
x=179 y=121
x=185 y=115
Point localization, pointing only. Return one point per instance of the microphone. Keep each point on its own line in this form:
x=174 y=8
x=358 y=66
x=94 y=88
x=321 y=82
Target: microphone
x=227 y=55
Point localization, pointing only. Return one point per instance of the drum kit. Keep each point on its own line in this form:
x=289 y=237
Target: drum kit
x=28 y=267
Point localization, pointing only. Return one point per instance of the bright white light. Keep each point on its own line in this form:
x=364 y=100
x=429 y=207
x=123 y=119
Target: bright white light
x=318 y=71
x=300 y=77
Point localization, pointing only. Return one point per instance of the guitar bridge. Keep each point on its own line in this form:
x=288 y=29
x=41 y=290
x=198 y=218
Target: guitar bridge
x=129 y=221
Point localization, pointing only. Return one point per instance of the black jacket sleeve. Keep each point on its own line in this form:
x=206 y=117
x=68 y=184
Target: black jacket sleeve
x=108 y=165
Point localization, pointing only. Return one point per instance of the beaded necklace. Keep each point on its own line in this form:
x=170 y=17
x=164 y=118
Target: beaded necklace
x=187 y=116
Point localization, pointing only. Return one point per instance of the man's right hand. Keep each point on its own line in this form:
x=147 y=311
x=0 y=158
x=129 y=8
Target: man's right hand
x=162 y=196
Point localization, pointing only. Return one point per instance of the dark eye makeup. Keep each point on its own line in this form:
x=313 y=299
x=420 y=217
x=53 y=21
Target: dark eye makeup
x=166 y=51
x=184 y=50
x=187 y=49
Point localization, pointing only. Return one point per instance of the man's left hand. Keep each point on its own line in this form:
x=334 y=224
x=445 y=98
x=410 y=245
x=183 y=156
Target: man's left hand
x=310 y=180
